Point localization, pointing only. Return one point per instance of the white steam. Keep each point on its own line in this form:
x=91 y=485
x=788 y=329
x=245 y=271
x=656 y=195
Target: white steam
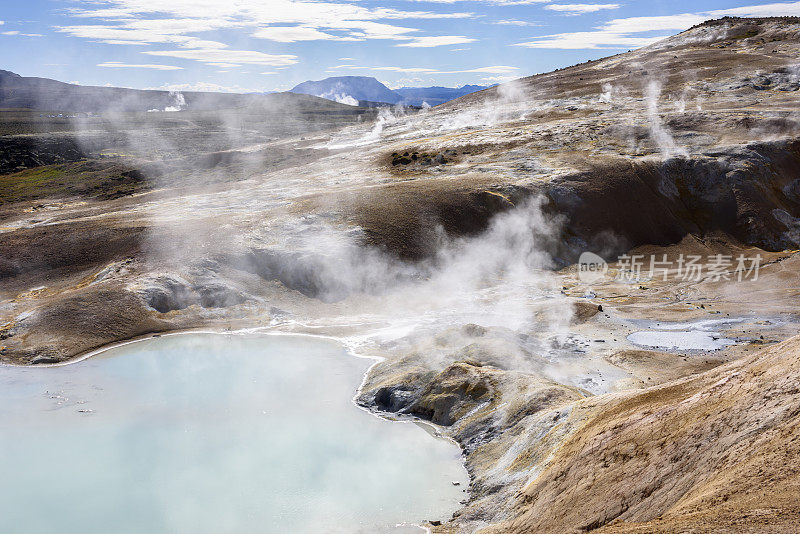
x=493 y=279
x=345 y=99
x=179 y=103
x=340 y=95
x=658 y=131
x=511 y=104
x=386 y=117
x=607 y=94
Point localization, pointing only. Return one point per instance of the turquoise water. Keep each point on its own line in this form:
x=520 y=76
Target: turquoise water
x=212 y=433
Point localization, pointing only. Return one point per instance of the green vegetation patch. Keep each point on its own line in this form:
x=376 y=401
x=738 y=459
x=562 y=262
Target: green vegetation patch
x=89 y=178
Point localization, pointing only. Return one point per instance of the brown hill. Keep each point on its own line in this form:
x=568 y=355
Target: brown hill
x=710 y=453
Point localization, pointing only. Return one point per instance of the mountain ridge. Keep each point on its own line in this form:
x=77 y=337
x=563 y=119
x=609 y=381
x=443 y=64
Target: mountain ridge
x=45 y=94
x=353 y=89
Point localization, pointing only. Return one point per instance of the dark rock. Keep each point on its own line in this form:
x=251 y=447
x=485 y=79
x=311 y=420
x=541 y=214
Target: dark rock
x=395 y=398
x=455 y=391
x=44 y=359
x=24 y=152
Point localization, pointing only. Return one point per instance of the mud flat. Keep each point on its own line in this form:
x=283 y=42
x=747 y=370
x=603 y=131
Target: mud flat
x=214 y=433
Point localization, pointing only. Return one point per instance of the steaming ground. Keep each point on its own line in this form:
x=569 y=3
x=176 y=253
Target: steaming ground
x=445 y=242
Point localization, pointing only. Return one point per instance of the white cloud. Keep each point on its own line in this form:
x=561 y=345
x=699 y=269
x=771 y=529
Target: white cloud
x=203 y=87
x=495 y=69
x=291 y=34
x=123 y=42
x=136 y=36
x=177 y=25
x=579 y=9
x=404 y=69
x=390 y=69
x=118 y=65
x=515 y=22
x=440 y=40
x=239 y=57
x=498 y=79
x=491 y=2
x=186 y=23
x=658 y=23
x=374 y=30
x=622 y=33
x=591 y=40
x=18 y=33
x=156 y=21
x=777 y=9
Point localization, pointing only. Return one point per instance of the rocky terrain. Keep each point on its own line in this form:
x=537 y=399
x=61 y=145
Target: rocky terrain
x=445 y=241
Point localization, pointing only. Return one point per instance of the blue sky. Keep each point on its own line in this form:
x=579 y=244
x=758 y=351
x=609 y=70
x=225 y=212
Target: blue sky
x=264 y=45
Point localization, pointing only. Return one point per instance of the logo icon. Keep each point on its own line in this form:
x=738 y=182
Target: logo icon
x=591 y=268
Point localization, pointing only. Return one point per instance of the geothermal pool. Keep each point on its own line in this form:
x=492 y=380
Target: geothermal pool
x=211 y=433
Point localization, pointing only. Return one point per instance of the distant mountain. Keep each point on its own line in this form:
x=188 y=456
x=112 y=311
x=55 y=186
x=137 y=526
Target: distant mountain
x=50 y=95
x=349 y=90
x=362 y=89
x=434 y=96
